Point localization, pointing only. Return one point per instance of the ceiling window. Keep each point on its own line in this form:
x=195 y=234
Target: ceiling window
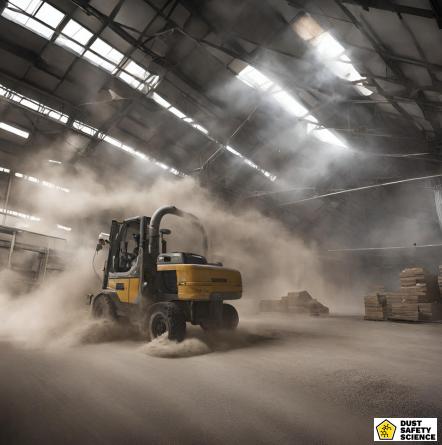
x=165 y=104
x=99 y=61
x=41 y=182
x=103 y=55
x=106 y=51
x=325 y=135
x=160 y=100
x=32 y=104
x=36 y=15
x=329 y=51
x=138 y=77
x=291 y=105
x=65 y=228
x=200 y=128
x=233 y=151
x=14 y=130
x=74 y=37
x=177 y=113
x=38 y=107
x=255 y=79
x=91 y=131
x=20 y=215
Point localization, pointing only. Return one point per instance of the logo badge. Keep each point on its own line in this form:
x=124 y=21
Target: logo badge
x=409 y=429
x=386 y=430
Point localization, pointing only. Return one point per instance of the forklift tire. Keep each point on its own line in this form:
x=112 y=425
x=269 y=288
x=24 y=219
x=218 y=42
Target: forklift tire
x=166 y=317
x=229 y=322
x=230 y=317
x=104 y=308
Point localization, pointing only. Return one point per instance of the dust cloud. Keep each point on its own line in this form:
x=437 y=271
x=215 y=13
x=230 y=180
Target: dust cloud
x=271 y=259
x=163 y=347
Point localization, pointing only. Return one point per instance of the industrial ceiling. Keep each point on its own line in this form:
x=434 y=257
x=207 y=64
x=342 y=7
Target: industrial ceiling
x=270 y=100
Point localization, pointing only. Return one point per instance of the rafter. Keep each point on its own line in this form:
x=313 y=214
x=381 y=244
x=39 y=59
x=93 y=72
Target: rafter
x=392 y=7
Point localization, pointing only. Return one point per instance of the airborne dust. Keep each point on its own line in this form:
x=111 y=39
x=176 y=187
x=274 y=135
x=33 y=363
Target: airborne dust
x=271 y=260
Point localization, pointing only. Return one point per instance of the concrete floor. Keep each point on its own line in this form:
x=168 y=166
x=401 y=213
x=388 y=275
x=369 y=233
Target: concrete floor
x=275 y=381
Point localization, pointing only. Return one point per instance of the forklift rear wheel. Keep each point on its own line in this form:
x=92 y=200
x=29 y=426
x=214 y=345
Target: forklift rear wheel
x=167 y=317
x=230 y=317
x=229 y=322
x=103 y=307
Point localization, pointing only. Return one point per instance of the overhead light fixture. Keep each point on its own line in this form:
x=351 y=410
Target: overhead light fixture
x=14 y=130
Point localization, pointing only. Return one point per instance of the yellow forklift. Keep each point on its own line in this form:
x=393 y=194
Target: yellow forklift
x=158 y=290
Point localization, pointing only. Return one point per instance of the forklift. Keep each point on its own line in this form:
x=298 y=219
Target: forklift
x=161 y=291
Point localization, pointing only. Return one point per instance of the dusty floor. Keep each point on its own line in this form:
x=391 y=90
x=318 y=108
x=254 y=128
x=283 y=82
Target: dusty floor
x=276 y=381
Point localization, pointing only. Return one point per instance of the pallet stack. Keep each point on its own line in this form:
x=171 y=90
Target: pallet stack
x=418 y=298
x=375 y=306
x=271 y=306
x=439 y=280
x=294 y=302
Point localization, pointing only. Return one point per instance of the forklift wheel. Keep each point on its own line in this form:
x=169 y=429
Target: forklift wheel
x=166 y=317
x=229 y=322
x=230 y=317
x=103 y=307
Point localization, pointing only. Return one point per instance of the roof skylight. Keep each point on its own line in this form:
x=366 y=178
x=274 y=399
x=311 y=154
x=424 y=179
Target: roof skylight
x=289 y=103
x=165 y=104
x=233 y=151
x=254 y=78
x=14 y=130
x=19 y=214
x=294 y=107
x=74 y=37
x=24 y=11
x=325 y=135
x=41 y=182
x=329 y=50
x=103 y=55
x=65 y=228
x=76 y=32
x=30 y=218
x=160 y=101
x=107 y=51
x=90 y=131
x=138 y=77
x=32 y=104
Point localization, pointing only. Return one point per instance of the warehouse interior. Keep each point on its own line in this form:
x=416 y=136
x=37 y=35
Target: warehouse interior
x=306 y=137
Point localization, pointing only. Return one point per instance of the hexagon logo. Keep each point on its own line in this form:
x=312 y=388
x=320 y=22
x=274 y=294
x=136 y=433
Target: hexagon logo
x=386 y=430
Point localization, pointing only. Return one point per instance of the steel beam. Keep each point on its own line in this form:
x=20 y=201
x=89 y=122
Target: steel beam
x=392 y=7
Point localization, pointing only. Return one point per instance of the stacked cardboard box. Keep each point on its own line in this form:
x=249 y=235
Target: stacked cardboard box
x=294 y=302
x=303 y=302
x=417 y=299
x=375 y=307
x=271 y=306
x=439 y=279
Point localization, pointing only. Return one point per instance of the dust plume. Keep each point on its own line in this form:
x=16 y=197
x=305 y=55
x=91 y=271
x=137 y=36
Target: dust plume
x=271 y=259
x=165 y=348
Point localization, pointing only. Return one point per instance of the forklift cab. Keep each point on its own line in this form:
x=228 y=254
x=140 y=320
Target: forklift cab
x=128 y=239
x=122 y=272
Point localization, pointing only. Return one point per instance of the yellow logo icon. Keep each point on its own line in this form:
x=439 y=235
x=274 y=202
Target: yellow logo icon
x=386 y=430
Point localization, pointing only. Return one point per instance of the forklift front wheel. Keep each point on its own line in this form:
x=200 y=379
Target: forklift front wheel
x=166 y=317
x=103 y=307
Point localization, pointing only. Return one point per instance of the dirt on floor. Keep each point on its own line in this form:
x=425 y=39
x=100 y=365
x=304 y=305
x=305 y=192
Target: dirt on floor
x=277 y=380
